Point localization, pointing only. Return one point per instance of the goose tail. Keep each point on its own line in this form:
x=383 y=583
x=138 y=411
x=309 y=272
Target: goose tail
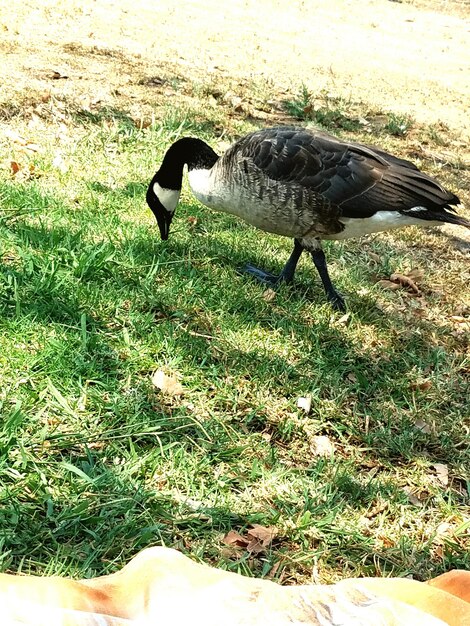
x=453 y=218
x=445 y=214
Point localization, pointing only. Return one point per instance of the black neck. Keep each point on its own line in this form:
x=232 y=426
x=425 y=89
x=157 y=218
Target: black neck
x=188 y=150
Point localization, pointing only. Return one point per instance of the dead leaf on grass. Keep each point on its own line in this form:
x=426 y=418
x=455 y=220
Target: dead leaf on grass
x=416 y=274
x=423 y=385
x=60 y=164
x=374 y=257
x=57 y=75
x=305 y=403
x=31 y=147
x=257 y=538
x=422 y=426
x=387 y=542
x=15 y=167
x=405 y=281
x=442 y=473
x=460 y=319
x=379 y=507
x=344 y=318
x=167 y=384
x=232 y=538
x=388 y=284
x=442 y=531
x=15 y=137
x=265 y=534
x=321 y=445
x=274 y=569
x=413 y=497
x=23 y=173
x=269 y=295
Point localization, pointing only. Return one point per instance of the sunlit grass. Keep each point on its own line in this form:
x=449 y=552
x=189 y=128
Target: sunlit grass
x=96 y=463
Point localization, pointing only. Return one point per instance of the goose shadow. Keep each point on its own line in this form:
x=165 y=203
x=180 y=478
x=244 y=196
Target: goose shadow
x=330 y=360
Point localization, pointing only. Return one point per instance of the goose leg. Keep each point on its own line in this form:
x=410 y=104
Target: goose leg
x=335 y=298
x=287 y=273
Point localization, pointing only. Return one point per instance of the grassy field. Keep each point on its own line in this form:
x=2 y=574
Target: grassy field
x=96 y=462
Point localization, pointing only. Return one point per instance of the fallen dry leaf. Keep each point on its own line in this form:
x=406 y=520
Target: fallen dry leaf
x=374 y=257
x=438 y=551
x=305 y=403
x=36 y=122
x=269 y=295
x=375 y=510
x=387 y=542
x=388 y=284
x=413 y=498
x=232 y=538
x=22 y=173
x=274 y=569
x=320 y=445
x=405 y=281
x=344 y=318
x=15 y=167
x=57 y=75
x=60 y=164
x=442 y=473
x=422 y=426
x=167 y=384
x=265 y=534
x=257 y=538
x=408 y=281
x=443 y=530
x=15 y=137
x=31 y=147
x=421 y=385
x=416 y=274
x=459 y=319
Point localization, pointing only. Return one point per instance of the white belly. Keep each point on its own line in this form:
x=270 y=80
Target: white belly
x=273 y=214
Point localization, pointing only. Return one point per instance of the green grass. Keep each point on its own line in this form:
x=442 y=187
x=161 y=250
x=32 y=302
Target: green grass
x=96 y=463
x=398 y=125
x=330 y=112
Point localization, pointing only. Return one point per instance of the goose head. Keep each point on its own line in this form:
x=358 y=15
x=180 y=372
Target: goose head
x=164 y=190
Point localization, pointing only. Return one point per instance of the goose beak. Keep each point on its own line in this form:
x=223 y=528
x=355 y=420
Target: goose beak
x=164 y=220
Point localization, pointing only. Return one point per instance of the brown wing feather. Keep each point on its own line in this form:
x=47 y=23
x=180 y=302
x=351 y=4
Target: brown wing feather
x=358 y=179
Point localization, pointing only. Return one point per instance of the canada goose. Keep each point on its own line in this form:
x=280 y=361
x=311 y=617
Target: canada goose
x=303 y=184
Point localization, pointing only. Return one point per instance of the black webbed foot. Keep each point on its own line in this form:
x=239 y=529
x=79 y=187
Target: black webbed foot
x=265 y=277
x=336 y=300
x=287 y=275
x=288 y=271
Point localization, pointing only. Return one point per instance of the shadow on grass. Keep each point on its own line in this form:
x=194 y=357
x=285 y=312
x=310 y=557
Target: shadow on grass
x=115 y=458
x=113 y=514
x=78 y=283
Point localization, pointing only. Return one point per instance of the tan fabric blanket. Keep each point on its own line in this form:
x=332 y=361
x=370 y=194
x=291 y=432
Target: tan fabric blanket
x=160 y=586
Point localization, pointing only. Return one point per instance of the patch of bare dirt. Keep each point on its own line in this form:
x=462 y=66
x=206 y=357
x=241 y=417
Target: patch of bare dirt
x=407 y=56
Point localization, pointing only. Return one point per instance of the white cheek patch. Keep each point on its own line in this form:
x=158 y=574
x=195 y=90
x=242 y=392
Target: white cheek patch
x=168 y=197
